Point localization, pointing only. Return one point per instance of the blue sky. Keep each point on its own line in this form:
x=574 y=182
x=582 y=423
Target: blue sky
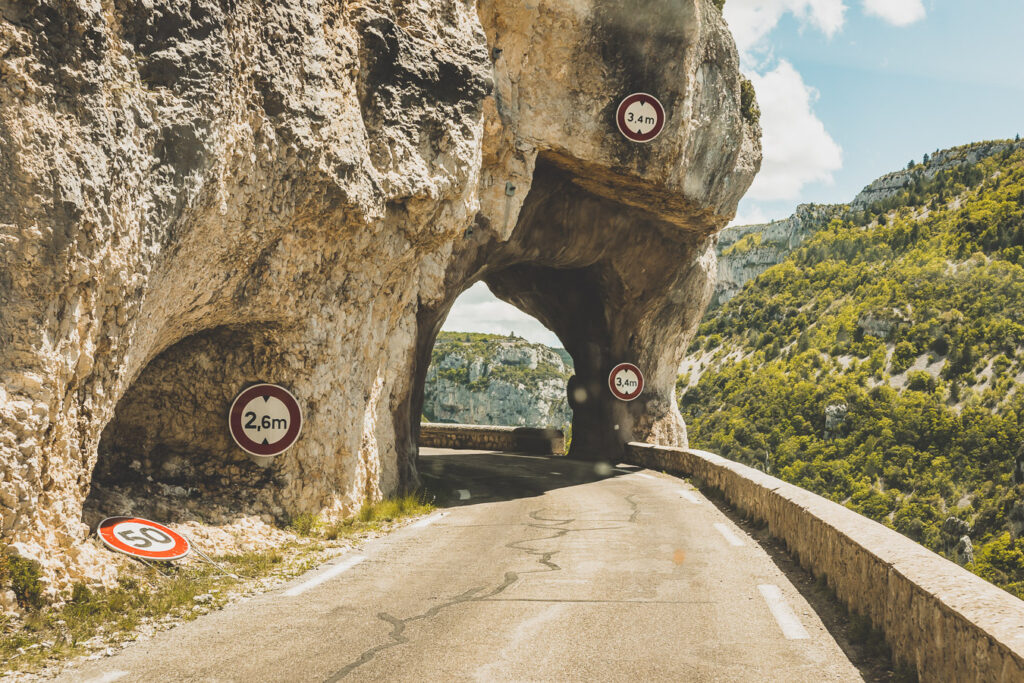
x=887 y=80
x=849 y=90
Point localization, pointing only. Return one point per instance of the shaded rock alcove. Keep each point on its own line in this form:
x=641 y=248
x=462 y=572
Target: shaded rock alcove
x=199 y=196
x=165 y=453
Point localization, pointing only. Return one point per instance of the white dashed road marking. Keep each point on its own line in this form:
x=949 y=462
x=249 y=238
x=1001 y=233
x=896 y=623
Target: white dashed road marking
x=426 y=521
x=688 y=495
x=329 y=573
x=463 y=494
x=728 y=534
x=108 y=677
x=646 y=476
x=783 y=613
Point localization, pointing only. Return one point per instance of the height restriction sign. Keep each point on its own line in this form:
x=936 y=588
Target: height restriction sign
x=265 y=419
x=640 y=117
x=625 y=381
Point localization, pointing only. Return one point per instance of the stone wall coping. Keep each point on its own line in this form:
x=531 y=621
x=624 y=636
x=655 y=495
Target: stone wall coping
x=984 y=610
x=535 y=440
x=497 y=429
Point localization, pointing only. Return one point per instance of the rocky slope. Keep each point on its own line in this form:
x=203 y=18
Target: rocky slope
x=746 y=251
x=892 y=184
x=199 y=196
x=493 y=380
x=881 y=363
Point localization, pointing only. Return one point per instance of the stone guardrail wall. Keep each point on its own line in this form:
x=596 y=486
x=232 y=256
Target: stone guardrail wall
x=489 y=438
x=938 y=617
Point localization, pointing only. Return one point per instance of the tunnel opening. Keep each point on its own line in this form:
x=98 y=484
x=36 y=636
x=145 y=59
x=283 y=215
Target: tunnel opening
x=491 y=364
x=167 y=454
x=614 y=281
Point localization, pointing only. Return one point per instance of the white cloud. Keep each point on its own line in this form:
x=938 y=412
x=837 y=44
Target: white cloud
x=477 y=310
x=797 y=148
x=749 y=215
x=896 y=12
x=752 y=20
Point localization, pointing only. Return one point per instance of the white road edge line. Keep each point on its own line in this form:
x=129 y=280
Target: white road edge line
x=464 y=494
x=646 y=476
x=728 y=534
x=108 y=677
x=329 y=573
x=688 y=495
x=783 y=613
x=426 y=521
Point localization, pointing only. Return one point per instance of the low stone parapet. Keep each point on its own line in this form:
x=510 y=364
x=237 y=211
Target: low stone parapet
x=492 y=438
x=938 y=617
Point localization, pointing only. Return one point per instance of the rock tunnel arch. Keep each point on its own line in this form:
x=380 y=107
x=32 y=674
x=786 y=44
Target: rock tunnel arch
x=492 y=365
x=613 y=281
x=319 y=169
x=595 y=271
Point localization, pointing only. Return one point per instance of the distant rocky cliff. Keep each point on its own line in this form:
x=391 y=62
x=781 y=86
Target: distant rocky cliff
x=892 y=184
x=493 y=380
x=746 y=251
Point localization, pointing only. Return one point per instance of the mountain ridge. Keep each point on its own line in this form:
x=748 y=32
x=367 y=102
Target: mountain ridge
x=746 y=251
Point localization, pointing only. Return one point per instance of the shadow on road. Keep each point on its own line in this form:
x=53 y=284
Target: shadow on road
x=470 y=477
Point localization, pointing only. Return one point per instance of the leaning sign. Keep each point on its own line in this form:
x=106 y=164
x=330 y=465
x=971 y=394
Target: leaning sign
x=640 y=117
x=265 y=420
x=626 y=381
x=142 y=538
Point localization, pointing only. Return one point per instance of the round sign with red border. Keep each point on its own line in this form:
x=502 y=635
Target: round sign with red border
x=265 y=419
x=626 y=381
x=142 y=538
x=640 y=117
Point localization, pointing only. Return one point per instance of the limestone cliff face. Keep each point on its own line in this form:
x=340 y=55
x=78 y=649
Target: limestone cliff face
x=942 y=160
x=198 y=196
x=494 y=380
x=746 y=251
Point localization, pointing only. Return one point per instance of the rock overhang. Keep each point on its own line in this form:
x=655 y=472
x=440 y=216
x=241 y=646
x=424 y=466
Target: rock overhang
x=286 y=193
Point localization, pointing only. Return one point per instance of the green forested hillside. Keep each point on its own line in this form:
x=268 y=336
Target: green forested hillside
x=881 y=365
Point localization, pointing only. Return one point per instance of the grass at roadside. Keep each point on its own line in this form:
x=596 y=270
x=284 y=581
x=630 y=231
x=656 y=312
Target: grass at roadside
x=46 y=634
x=371 y=517
x=168 y=592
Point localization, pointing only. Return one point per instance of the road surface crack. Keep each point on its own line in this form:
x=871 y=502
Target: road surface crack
x=397 y=633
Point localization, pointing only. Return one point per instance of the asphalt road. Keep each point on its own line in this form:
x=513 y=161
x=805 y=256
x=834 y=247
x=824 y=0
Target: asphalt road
x=542 y=570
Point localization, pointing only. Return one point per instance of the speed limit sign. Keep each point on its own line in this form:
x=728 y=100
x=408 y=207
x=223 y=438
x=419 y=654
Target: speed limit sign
x=626 y=381
x=142 y=538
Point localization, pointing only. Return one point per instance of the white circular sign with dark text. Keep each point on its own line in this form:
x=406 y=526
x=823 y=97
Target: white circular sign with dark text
x=626 y=381
x=142 y=538
x=265 y=420
x=640 y=117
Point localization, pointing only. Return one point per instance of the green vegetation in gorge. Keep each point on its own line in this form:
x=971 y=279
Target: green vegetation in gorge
x=475 y=362
x=908 y=319
x=472 y=346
